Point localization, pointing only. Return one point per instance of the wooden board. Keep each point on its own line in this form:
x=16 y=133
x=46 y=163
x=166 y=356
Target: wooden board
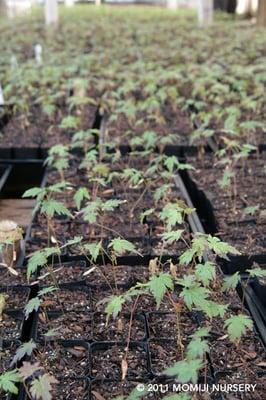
x=17 y=210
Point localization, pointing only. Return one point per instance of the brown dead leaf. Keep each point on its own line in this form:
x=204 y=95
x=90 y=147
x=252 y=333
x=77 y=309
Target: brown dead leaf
x=120 y=325
x=97 y=395
x=124 y=367
x=261 y=364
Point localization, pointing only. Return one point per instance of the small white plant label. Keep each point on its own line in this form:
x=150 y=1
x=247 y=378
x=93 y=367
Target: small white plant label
x=14 y=62
x=2 y=101
x=38 y=53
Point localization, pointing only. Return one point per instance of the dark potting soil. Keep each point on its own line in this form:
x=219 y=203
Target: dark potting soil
x=116 y=274
x=10 y=326
x=107 y=361
x=37 y=130
x=8 y=279
x=237 y=377
x=66 y=326
x=15 y=297
x=118 y=329
x=234 y=225
x=67 y=299
x=71 y=389
x=7 y=353
x=62 y=360
x=170 y=325
x=63 y=273
x=101 y=297
x=172 y=121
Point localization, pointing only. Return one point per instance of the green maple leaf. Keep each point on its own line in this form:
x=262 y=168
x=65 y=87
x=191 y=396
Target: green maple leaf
x=187 y=257
x=251 y=210
x=47 y=290
x=145 y=214
x=231 y=282
x=110 y=205
x=33 y=192
x=93 y=249
x=212 y=309
x=198 y=248
x=221 y=248
x=114 y=306
x=90 y=212
x=197 y=348
x=69 y=122
x=172 y=236
x=257 y=272
x=195 y=294
x=186 y=370
x=171 y=163
x=205 y=273
x=32 y=305
x=24 y=349
x=201 y=332
x=38 y=259
x=72 y=242
x=52 y=207
x=237 y=325
x=8 y=381
x=80 y=195
x=158 y=286
x=121 y=246
x=161 y=191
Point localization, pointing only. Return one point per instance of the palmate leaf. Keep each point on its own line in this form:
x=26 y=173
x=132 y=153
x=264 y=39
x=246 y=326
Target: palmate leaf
x=212 y=309
x=237 y=325
x=114 y=306
x=93 y=249
x=194 y=295
x=33 y=192
x=110 y=205
x=145 y=214
x=185 y=371
x=90 y=212
x=121 y=246
x=198 y=248
x=172 y=236
x=172 y=214
x=221 y=248
x=80 y=195
x=257 y=272
x=38 y=259
x=41 y=387
x=158 y=286
x=53 y=207
x=24 y=349
x=69 y=122
x=8 y=381
x=161 y=191
x=47 y=290
x=197 y=348
x=251 y=210
x=32 y=305
x=73 y=242
x=205 y=273
x=231 y=281
x=171 y=163
x=201 y=332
